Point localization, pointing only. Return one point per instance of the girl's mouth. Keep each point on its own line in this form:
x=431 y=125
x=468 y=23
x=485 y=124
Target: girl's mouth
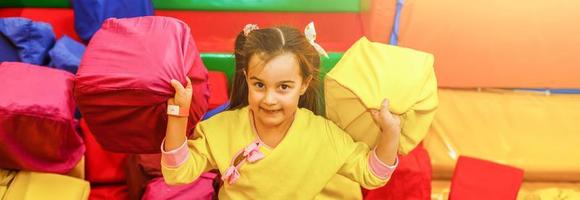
x=270 y=111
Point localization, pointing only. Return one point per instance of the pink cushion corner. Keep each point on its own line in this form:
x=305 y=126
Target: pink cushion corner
x=37 y=126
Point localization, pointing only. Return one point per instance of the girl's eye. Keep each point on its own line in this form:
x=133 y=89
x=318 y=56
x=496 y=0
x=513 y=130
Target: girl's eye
x=284 y=87
x=259 y=85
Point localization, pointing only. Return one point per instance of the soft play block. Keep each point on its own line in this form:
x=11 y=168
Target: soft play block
x=368 y=73
x=6 y=177
x=480 y=179
x=61 y=19
x=8 y=52
x=123 y=83
x=89 y=15
x=411 y=180
x=141 y=168
x=33 y=185
x=79 y=170
x=32 y=39
x=101 y=166
x=37 y=128
x=66 y=54
x=202 y=188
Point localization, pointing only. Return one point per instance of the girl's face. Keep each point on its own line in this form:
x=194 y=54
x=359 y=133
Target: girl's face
x=274 y=88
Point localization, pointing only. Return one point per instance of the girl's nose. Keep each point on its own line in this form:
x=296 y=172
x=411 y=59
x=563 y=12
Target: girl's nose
x=270 y=98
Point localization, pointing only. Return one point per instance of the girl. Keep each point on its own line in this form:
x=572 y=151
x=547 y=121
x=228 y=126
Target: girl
x=271 y=144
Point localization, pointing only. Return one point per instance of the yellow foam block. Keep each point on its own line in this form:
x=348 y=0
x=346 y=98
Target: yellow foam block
x=440 y=189
x=6 y=177
x=536 y=132
x=370 y=72
x=79 y=170
x=33 y=185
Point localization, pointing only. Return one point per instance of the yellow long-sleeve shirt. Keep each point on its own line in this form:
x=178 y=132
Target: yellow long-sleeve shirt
x=313 y=151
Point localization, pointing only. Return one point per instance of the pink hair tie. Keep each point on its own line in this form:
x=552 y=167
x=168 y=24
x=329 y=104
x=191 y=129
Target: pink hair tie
x=249 y=28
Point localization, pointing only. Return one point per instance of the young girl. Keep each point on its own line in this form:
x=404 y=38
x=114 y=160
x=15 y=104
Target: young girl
x=271 y=144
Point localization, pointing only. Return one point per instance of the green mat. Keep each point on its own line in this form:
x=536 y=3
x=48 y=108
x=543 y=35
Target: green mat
x=261 y=5
x=36 y=3
x=225 y=63
x=220 y=62
x=220 y=5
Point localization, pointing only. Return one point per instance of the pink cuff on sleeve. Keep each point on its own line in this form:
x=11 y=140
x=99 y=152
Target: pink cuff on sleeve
x=379 y=168
x=176 y=157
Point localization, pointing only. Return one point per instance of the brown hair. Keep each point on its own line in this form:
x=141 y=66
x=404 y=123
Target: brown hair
x=269 y=43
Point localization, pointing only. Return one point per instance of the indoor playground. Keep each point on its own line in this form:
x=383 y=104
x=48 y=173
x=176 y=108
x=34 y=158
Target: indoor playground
x=485 y=96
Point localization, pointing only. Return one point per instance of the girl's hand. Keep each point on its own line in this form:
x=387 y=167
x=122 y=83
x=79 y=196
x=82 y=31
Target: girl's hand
x=388 y=122
x=183 y=95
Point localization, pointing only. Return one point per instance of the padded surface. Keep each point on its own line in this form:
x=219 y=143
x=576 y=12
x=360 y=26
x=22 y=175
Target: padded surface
x=218 y=89
x=216 y=31
x=532 y=131
x=226 y=25
x=528 y=190
x=224 y=62
x=496 y=43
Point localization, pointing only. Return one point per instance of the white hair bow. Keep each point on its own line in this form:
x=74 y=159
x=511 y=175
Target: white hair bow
x=310 y=34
